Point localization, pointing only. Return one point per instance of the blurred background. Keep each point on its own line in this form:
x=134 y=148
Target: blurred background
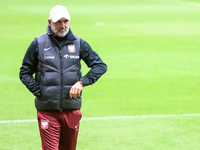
x=151 y=48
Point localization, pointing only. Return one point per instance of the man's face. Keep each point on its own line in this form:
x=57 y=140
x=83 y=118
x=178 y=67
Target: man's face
x=60 y=28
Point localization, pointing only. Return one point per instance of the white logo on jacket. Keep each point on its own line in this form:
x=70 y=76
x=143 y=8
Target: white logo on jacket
x=72 y=56
x=66 y=56
x=49 y=57
x=46 y=49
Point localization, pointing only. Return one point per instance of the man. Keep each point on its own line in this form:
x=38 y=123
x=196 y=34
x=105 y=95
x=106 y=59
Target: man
x=54 y=57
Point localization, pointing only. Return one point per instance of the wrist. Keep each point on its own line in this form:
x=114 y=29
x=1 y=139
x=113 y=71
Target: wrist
x=82 y=83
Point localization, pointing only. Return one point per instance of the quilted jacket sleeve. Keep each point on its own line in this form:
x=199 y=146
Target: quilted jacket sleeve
x=28 y=68
x=93 y=61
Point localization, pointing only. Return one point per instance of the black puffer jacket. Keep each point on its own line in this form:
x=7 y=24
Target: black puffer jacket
x=56 y=72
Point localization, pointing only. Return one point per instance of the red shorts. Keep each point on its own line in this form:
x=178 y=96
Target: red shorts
x=59 y=130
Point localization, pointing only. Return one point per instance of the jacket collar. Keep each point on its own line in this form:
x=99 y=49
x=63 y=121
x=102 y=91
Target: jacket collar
x=69 y=37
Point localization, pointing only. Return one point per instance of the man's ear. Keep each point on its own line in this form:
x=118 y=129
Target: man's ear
x=49 y=21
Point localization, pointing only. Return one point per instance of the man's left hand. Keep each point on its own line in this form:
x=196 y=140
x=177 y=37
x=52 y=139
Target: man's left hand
x=76 y=90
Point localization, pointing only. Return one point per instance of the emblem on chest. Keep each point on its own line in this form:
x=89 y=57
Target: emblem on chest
x=71 y=48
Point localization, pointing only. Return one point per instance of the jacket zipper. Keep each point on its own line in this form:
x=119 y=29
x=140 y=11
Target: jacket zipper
x=61 y=79
x=61 y=72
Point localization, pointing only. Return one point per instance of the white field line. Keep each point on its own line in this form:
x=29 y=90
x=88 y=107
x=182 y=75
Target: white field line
x=112 y=118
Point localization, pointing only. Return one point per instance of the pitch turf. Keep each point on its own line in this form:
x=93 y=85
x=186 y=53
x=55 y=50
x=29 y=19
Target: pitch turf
x=151 y=48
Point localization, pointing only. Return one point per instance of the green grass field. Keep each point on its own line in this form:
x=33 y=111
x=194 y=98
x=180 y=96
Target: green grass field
x=152 y=51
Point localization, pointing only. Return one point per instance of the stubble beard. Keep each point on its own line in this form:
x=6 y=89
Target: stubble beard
x=58 y=32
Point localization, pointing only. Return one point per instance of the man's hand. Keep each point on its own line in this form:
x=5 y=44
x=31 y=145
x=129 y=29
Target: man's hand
x=76 y=90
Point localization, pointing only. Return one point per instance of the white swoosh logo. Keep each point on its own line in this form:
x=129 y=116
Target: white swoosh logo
x=47 y=49
x=76 y=126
